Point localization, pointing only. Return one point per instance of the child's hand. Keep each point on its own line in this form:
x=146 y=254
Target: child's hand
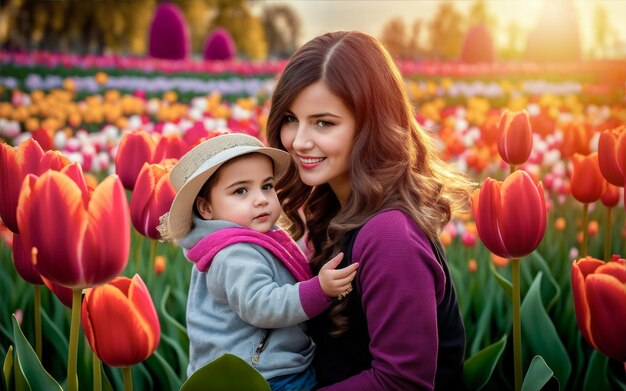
x=337 y=282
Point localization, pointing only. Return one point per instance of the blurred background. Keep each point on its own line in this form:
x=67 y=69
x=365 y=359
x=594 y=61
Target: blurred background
x=426 y=29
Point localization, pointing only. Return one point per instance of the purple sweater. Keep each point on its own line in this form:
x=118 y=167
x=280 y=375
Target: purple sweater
x=400 y=304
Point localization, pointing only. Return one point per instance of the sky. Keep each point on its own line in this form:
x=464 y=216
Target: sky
x=319 y=16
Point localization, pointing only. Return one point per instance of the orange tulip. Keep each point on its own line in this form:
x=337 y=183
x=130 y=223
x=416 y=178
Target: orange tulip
x=515 y=137
x=126 y=304
x=612 y=141
x=576 y=139
x=135 y=149
x=600 y=304
x=511 y=215
x=152 y=197
x=587 y=182
x=82 y=236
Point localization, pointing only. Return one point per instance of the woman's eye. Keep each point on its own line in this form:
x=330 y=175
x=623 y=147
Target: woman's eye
x=324 y=124
x=240 y=191
x=290 y=118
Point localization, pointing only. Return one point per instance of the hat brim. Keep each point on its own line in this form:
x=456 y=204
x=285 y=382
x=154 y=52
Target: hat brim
x=181 y=212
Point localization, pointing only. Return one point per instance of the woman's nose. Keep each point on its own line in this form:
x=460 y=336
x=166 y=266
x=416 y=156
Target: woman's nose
x=302 y=140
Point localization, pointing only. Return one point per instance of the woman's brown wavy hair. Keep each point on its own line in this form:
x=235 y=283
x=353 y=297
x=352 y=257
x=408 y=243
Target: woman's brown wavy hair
x=394 y=163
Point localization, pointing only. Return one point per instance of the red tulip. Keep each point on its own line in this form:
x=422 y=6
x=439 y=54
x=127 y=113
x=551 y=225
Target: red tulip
x=152 y=197
x=600 y=303
x=610 y=197
x=120 y=321
x=511 y=215
x=15 y=164
x=608 y=157
x=135 y=149
x=586 y=181
x=515 y=137
x=82 y=236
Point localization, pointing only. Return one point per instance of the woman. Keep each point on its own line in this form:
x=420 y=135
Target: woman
x=369 y=182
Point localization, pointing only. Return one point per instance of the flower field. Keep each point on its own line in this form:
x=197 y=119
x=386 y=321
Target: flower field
x=88 y=144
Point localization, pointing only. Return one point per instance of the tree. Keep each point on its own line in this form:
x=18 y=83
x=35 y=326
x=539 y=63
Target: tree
x=394 y=37
x=601 y=30
x=245 y=28
x=282 y=27
x=446 y=32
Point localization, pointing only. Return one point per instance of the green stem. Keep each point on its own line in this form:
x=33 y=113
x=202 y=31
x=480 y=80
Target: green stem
x=97 y=373
x=153 y=251
x=37 y=313
x=513 y=168
x=128 y=379
x=583 y=245
x=72 y=379
x=607 y=236
x=137 y=251
x=517 y=325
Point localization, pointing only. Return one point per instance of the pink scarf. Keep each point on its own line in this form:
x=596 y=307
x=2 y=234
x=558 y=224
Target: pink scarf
x=278 y=242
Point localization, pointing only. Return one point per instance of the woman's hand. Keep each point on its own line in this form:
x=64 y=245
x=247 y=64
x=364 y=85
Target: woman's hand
x=337 y=282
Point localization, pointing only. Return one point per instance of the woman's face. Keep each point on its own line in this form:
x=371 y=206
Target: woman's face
x=317 y=131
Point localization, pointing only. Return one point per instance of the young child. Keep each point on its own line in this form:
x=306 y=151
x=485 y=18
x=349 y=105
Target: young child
x=252 y=288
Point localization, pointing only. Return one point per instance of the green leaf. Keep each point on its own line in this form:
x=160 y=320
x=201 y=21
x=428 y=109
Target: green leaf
x=226 y=373
x=163 y=372
x=36 y=376
x=596 y=377
x=7 y=369
x=550 y=289
x=539 y=336
x=537 y=376
x=169 y=317
x=477 y=370
x=506 y=285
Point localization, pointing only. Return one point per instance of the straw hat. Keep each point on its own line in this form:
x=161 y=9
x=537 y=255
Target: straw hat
x=196 y=166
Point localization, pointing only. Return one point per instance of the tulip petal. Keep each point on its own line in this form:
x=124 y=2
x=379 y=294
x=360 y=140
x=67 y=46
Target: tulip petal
x=23 y=261
x=163 y=197
x=580 y=303
x=134 y=150
x=607 y=308
x=124 y=345
x=487 y=205
x=522 y=220
x=515 y=138
x=142 y=196
x=15 y=164
x=144 y=306
x=607 y=159
x=618 y=271
x=56 y=220
x=107 y=238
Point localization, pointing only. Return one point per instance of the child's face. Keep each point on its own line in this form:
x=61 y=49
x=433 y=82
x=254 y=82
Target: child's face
x=244 y=194
x=318 y=131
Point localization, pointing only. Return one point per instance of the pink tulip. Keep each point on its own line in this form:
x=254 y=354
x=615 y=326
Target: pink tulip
x=152 y=197
x=135 y=149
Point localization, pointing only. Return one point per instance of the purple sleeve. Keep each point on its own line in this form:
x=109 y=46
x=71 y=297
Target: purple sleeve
x=313 y=299
x=401 y=283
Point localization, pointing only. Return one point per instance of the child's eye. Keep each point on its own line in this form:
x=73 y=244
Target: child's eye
x=290 y=118
x=268 y=186
x=240 y=191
